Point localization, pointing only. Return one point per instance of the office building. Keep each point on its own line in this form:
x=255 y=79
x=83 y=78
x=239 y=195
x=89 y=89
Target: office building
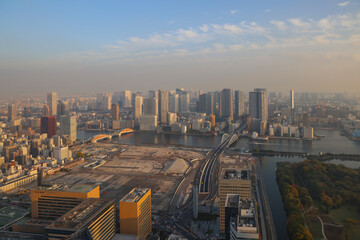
x=171 y=118
x=245 y=224
x=231 y=211
x=184 y=102
x=52 y=103
x=135 y=213
x=63 y=108
x=150 y=106
x=202 y=103
x=174 y=103
x=51 y=202
x=148 y=122
x=91 y=219
x=154 y=94
x=239 y=103
x=68 y=127
x=210 y=103
x=12 y=112
x=163 y=106
x=292 y=100
x=306 y=119
x=45 y=111
x=258 y=104
x=48 y=125
x=233 y=181
x=226 y=103
x=138 y=109
x=115 y=112
x=126 y=99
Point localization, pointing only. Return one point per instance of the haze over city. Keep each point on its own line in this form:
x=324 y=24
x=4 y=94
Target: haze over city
x=87 y=47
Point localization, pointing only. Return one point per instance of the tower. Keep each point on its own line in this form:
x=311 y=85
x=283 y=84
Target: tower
x=52 y=103
x=226 y=103
x=163 y=105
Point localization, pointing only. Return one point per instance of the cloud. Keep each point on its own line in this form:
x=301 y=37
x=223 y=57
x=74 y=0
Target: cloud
x=343 y=4
x=232 y=28
x=267 y=11
x=297 y=22
x=234 y=12
x=204 y=28
x=279 y=24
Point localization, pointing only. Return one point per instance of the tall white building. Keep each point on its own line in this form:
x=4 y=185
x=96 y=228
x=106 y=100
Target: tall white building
x=126 y=98
x=292 y=101
x=138 y=106
x=52 y=103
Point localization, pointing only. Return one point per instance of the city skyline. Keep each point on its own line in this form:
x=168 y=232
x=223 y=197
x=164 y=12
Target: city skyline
x=81 y=48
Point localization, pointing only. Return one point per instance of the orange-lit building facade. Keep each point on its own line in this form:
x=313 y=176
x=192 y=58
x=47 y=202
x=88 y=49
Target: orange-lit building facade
x=135 y=213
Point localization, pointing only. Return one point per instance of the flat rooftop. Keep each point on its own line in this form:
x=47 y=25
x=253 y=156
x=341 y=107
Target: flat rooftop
x=81 y=214
x=80 y=188
x=11 y=213
x=135 y=195
x=232 y=200
x=235 y=174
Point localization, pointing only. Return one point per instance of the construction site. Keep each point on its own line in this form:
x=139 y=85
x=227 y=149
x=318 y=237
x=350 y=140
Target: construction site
x=120 y=168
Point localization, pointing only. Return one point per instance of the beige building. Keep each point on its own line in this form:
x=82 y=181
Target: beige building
x=233 y=181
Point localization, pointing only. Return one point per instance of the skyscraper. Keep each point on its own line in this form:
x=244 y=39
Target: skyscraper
x=239 y=103
x=135 y=213
x=126 y=98
x=292 y=101
x=63 y=108
x=12 y=112
x=138 y=106
x=210 y=103
x=154 y=94
x=115 y=112
x=68 y=127
x=258 y=104
x=150 y=106
x=184 y=101
x=52 y=103
x=174 y=103
x=226 y=103
x=48 y=125
x=202 y=103
x=163 y=105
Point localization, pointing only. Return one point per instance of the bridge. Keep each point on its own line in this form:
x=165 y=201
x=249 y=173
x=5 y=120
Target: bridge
x=119 y=133
x=207 y=183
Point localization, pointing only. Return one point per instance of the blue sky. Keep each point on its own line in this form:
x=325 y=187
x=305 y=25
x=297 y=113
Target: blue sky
x=53 y=38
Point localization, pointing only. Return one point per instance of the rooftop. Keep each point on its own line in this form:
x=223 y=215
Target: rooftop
x=78 y=216
x=232 y=200
x=235 y=174
x=135 y=195
x=10 y=214
x=81 y=188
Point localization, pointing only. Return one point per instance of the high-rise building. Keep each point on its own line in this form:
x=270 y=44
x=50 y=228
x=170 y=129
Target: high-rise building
x=174 y=103
x=45 y=112
x=12 y=112
x=202 y=103
x=163 y=105
x=138 y=109
x=63 y=108
x=93 y=218
x=184 y=102
x=68 y=127
x=226 y=103
x=150 y=106
x=148 y=122
x=231 y=211
x=210 y=103
x=239 y=103
x=126 y=99
x=135 y=213
x=48 y=125
x=51 y=202
x=292 y=100
x=52 y=103
x=154 y=94
x=258 y=104
x=115 y=111
x=233 y=181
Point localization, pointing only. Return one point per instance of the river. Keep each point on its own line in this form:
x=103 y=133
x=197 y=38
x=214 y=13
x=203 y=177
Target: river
x=332 y=142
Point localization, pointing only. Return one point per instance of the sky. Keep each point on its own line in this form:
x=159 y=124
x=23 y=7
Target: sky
x=87 y=47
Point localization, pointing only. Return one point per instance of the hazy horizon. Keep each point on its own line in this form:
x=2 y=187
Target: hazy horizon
x=88 y=47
